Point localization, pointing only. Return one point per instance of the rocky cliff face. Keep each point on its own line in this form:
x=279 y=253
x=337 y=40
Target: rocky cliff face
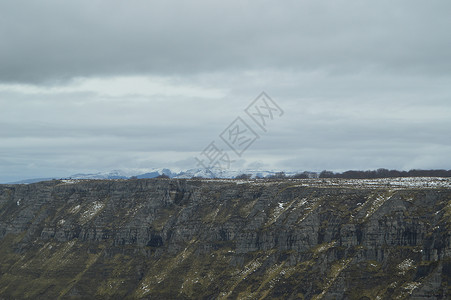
x=218 y=239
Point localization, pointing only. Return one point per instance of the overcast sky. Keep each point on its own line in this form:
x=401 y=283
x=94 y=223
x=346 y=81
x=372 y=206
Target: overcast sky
x=88 y=86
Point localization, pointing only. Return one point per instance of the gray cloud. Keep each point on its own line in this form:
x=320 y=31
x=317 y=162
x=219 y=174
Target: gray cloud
x=93 y=85
x=54 y=40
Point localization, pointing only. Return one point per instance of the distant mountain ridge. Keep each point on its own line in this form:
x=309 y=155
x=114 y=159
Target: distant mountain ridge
x=247 y=174
x=204 y=173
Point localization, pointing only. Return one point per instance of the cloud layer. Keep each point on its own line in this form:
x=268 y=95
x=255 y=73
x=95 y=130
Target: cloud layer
x=99 y=85
x=54 y=40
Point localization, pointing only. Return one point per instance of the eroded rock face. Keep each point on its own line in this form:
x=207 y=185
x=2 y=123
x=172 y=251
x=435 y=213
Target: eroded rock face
x=170 y=239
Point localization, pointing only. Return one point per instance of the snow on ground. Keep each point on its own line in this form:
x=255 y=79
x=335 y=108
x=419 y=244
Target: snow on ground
x=75 y=209
x=378 y=202
x=405 y=266
x=69 y=181
x=409 y=287
x=279 y=210
x=392 y=183
x=92 y=210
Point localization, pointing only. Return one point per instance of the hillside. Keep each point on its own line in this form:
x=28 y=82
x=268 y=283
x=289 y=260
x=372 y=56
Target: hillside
x=226 y=239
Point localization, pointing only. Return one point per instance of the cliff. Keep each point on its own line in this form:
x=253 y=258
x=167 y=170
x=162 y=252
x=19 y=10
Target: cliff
x=219 y=239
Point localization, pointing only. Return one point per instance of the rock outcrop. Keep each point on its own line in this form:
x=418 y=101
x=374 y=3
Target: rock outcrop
x=219 y=239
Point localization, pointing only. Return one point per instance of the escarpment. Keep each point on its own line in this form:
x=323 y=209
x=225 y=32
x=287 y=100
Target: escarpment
x=226 y=239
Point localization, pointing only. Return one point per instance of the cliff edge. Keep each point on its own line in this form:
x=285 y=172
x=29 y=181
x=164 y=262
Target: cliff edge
x=226 y=239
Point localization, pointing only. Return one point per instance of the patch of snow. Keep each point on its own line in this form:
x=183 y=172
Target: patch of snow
x=69 y=181
x=325 y=247
x=75 y=209
x=302 y=202
x=145 y=288
x=279 y=210
x=91 y=211
x=376 y=204
x=394 y=183
x=406 y=265
x=250 y=268
x=411 y=286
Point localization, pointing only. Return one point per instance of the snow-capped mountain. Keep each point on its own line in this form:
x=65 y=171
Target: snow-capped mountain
x=152 y=173
x=224 y=173
x=115 y=174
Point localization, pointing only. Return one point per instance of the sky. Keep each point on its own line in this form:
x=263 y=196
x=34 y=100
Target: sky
x=92 y=86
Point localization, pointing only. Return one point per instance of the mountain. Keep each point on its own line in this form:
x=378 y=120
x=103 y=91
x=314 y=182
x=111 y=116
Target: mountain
x=204 y=173
x=226 y=173
x=226 y=239
x=115 y=174
x=157 y=173
x=32 y=180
